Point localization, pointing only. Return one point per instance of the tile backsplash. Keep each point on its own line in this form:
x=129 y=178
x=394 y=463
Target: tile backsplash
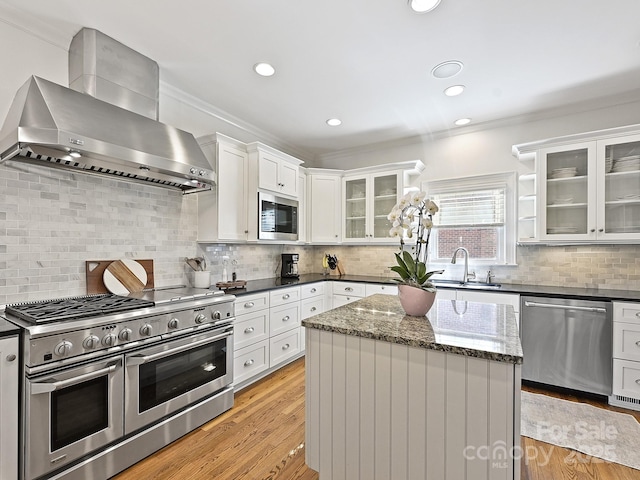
x=52 y=222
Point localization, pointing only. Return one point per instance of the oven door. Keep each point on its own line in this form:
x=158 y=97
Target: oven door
x=69 y=413
x=166 y=378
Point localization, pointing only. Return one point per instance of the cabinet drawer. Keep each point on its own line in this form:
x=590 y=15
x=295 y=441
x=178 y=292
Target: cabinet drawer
x=251 y=303
x=282 y=296
x=311 y=307
x=626 y=312
x=626 y=341
x=284 y=318
x=340 y=300
x=373 y=288
x=626 y=378
x=349 y=288
x=311 y=290
x=250 y=361
x=284 y=346
x=250 y=328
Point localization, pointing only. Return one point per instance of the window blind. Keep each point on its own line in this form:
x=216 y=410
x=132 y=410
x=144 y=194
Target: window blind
x=471 y=208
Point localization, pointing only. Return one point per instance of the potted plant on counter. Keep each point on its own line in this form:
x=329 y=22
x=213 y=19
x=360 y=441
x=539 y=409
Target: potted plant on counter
x=412 y=218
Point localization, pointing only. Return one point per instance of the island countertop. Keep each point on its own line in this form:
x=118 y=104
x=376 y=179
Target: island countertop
x=482 y=330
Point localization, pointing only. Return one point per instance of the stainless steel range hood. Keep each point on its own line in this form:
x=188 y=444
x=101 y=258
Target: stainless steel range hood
x=55 y=126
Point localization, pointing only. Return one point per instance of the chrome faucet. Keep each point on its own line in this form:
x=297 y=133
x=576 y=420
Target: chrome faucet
x=467 y=275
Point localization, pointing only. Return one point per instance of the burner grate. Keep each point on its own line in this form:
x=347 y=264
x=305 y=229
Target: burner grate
x=62 y=309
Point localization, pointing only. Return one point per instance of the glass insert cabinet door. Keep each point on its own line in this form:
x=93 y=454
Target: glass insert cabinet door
x=355 y=208
x=620 y=188
x=568 y=191
x=385 y=195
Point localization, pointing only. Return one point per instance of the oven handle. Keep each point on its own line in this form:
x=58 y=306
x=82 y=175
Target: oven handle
x=37 y=388
x=141 y=359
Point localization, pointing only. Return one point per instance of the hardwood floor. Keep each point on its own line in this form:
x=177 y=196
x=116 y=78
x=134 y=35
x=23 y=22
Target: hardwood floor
x=262 y=438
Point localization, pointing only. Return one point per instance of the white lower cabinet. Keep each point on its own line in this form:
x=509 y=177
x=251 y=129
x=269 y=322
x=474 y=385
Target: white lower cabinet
x=373 y=288
x=9 y=371
x=626 y=355
x=284 y=346
x=284 y=318
x=250 y=361
x=346 y=292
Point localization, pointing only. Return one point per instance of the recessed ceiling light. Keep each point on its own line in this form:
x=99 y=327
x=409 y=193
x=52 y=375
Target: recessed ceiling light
x=422 y=6
x=462 y=121
x=454 y=90
x=447 y=69
x=264 y=69
x=334 y=122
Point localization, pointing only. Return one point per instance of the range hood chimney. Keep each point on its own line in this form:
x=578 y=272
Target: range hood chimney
x=106 y=123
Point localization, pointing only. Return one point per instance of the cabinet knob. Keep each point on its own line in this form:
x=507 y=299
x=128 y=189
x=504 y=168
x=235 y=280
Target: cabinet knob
x=286 y=347
x=348 y=289
x=11 y=358
x=313 y=290
x=249 y=330
x=313 y=309
x=601 y=230
x=285 y=319
x=592 y=230
x=248 y=363
x=638 y=381
x=638 y=343
x=249 y=305
x=285 y=296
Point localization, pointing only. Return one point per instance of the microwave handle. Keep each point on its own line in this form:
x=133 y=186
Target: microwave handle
x=141 y=359
x=48 y=387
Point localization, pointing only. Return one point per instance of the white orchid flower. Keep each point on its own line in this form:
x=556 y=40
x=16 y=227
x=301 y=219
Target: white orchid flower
x=417 y=198
x=394 y=215
x=396 y=231
x=432 y=207
x=427 y=223
x=409 y=233
x=404 y=201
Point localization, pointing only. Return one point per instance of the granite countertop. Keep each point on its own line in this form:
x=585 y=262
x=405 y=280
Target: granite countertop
x=480 y=330
x=256 y=286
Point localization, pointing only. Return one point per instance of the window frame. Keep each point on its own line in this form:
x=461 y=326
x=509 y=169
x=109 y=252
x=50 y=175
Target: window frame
x=506 y=251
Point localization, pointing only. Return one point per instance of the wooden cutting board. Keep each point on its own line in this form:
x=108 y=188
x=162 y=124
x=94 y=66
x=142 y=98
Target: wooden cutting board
x=95 y=271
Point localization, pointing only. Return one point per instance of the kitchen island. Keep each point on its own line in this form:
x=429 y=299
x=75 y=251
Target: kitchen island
x=393 y=397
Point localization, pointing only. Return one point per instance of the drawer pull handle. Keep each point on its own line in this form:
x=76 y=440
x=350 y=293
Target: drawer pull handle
x=313 y=290
x=638 y=381
x=285 y=296
x=285 y=319
x=11 y=358
x=249 y=305
x=638 y=343
x=248 y=363
x=313 y=309
x=249 y=330
x=286 y=346
x=348 y=289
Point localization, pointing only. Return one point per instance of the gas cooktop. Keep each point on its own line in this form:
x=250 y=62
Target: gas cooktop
x=62 y=309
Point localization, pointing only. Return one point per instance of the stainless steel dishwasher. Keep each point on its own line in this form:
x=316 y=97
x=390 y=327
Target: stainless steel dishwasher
x=567 y=343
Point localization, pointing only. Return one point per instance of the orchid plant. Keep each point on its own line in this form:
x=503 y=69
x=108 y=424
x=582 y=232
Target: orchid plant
x=412 y=218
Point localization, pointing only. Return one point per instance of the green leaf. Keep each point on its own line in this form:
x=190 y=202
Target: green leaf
x=401 y=271
x=410 y=263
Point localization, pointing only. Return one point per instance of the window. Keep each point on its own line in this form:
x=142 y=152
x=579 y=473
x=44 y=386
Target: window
x=477 y=213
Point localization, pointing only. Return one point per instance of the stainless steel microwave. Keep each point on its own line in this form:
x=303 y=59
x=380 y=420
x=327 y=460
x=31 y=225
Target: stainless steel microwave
x=277 y=217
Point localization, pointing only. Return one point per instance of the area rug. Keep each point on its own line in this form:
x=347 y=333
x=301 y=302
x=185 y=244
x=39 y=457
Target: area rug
x=594 y=431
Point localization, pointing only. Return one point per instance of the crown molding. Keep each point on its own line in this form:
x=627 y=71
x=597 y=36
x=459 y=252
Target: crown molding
x=22 y=20
x=209 y=109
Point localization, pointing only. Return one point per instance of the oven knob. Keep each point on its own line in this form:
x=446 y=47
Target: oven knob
x=173 y=323
x=91 y=342
x=125 y=334
x=63 y=348
x=216 y=315
x=200 y=318
x=145 y=330
x=109 y=340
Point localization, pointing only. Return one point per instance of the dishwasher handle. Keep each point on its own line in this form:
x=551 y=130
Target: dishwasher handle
x=565 y=307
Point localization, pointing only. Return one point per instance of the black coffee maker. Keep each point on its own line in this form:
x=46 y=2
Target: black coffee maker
x=289 y=265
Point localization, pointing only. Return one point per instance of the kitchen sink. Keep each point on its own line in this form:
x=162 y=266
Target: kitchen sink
x=476 y=285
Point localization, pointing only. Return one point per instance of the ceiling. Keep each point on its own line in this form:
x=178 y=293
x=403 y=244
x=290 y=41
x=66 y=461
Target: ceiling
x=368 y=62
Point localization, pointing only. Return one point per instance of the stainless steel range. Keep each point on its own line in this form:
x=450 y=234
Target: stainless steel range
x=108 y=380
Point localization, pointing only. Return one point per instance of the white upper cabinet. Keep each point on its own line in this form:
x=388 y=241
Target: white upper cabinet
x=366 y=204
x=324 y=205
x=369 y=194
x=277 y=172
x=222 y=212
x=587 y=188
